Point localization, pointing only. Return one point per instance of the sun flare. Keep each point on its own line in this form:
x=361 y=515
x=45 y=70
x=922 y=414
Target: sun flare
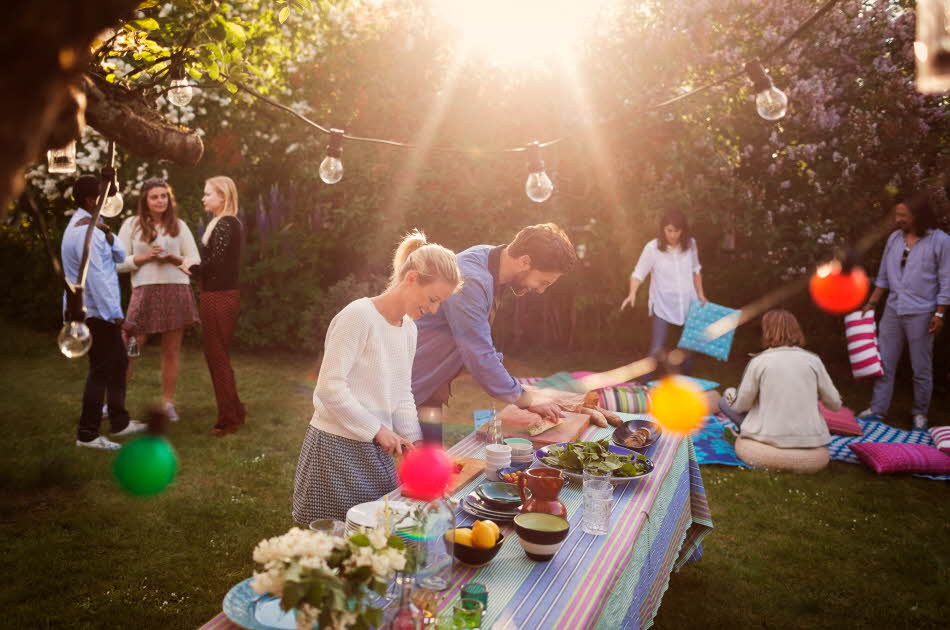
x=519 y=32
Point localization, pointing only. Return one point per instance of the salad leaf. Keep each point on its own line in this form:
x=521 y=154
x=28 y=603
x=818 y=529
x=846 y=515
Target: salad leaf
x=595 y=456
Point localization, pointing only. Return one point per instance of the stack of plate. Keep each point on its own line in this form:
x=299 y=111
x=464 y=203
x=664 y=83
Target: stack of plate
x=494 y=501
x=370 y=514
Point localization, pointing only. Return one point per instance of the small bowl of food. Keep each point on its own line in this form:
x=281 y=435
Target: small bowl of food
x=510 y=474
x=638 y=434
x=477 y=545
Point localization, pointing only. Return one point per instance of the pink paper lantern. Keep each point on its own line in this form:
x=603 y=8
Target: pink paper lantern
x=425 y=473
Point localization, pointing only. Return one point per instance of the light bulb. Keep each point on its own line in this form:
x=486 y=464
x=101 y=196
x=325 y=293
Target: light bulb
x=180 y=92
x=74 y=339
x=331 y=169
x=538 y=187
x=771 y=104
x=113 y=206
x=62 y=160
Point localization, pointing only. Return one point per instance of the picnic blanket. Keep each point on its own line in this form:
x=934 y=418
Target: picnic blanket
x=877 y=431
x=712 y=447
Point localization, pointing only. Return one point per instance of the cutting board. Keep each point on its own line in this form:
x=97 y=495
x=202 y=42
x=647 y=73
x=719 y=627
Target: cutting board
x=569 y=430
x=471 y=468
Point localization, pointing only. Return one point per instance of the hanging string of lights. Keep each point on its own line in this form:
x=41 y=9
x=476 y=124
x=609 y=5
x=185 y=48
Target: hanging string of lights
x=771 y=104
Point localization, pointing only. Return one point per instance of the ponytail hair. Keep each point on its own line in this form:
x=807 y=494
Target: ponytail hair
x=432 y=262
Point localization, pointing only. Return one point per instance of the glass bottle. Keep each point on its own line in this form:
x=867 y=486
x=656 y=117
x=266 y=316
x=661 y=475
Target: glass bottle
x=132 y=349
x=407 y=616
x=434 y=561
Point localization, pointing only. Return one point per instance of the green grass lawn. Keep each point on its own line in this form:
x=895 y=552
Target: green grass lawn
x=843 y=548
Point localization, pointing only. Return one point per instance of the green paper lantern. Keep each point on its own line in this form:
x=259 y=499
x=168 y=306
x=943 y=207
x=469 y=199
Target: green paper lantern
x=146 y=465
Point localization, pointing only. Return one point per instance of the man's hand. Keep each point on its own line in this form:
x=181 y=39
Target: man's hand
x=548 y=411
x=391 y=442
x=102 y=226
x=870 y=306
x=630 y=300
x=936 y=323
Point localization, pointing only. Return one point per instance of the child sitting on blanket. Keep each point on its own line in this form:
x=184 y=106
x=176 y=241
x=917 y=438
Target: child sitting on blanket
x=776 y=406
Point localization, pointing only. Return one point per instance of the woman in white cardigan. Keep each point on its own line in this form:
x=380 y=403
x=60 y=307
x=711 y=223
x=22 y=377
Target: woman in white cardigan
x=364 y=410
x=160 y=250
x=776 y=406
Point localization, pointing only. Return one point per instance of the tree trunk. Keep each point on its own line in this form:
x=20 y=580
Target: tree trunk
x=44 y=48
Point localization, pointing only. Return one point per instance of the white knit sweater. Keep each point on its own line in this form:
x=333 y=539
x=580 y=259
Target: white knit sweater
x=365 y=379
x=154 y=272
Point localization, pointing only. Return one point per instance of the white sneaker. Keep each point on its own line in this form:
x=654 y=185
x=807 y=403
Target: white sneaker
x=134 y=427
x=866 y=412
x=920 y=422
x=171 y=412
x=101 y=442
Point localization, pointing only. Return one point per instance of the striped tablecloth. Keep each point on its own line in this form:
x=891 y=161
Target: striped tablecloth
x=613 y=581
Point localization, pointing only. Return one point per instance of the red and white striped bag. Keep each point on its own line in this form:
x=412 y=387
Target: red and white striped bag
x=861 y=333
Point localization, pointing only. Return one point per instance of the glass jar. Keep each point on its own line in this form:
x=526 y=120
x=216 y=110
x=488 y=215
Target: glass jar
x=434 y=550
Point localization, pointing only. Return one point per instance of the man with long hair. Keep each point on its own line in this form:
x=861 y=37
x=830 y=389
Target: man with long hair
x=915 y=268
x=459 y=335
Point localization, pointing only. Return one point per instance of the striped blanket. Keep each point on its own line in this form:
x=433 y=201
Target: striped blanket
x=877 y=431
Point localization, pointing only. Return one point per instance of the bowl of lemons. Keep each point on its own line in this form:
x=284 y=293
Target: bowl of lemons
x=477 y=545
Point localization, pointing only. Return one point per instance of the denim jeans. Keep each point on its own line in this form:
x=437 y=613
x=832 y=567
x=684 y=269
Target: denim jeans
x=660 y=330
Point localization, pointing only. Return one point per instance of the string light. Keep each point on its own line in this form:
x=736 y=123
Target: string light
x=538 y=186
x=180 y=90
x=770 y=102
x=62 y=160
x=331 y=168
x=114 y=202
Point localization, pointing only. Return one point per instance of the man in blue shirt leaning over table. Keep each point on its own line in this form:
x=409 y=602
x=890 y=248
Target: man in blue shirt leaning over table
x=458 y=335
x=915 y=268
x=107 y=357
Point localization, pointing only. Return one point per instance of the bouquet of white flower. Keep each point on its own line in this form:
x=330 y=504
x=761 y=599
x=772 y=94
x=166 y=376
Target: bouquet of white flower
x=328 y=579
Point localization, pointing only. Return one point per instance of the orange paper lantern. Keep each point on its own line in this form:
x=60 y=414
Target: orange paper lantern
x=836 y=291
x=678 y=405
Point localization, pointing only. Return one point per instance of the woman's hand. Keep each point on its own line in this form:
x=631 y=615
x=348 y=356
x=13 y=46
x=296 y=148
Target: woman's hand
x=391 y=442
x=630 y=300
x=171 y=259
x=154 y=253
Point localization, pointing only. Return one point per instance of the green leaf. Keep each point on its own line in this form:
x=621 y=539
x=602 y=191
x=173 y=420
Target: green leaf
x=235 y=32
x=214 y=72
x=283 y=15
x=194 y=73
x=396 y=542
x=360 y=540
x=110 y=77
x=303 y=5
x=147 y=24
x=231 y=87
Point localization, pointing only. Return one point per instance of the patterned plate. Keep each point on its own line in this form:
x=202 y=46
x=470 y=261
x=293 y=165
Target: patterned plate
x=256 y=612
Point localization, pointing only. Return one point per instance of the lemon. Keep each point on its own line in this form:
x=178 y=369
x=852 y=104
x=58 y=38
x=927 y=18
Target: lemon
x=484 y=534
x=462 y=536
x=495 y=529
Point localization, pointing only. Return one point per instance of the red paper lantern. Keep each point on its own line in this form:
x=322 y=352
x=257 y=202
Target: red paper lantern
x=838 y=292
x=425 y=473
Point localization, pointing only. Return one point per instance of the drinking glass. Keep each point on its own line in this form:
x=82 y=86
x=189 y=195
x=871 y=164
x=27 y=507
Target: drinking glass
x=598 y=496
x=467 y=614
x=328 y=526
x=494 y=435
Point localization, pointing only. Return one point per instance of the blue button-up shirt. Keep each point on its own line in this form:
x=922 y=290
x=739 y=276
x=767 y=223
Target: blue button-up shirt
x=459 y=334
x=925 y=280
x=101 y=295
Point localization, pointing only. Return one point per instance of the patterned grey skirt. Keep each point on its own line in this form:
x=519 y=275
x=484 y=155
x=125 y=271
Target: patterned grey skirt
x=335 y=473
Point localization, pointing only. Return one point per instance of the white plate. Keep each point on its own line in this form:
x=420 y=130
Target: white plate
x=367 y=514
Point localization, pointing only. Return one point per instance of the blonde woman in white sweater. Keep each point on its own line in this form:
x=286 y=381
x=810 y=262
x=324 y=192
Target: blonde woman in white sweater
x=364 y=410
x=160 y=250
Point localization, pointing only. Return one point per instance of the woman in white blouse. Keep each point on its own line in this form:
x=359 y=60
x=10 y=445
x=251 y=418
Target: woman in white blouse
x=364 y=410
x=160 y=250
x=673 y=260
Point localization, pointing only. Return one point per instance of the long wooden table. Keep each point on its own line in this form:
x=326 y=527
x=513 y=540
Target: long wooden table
x=613 y=581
